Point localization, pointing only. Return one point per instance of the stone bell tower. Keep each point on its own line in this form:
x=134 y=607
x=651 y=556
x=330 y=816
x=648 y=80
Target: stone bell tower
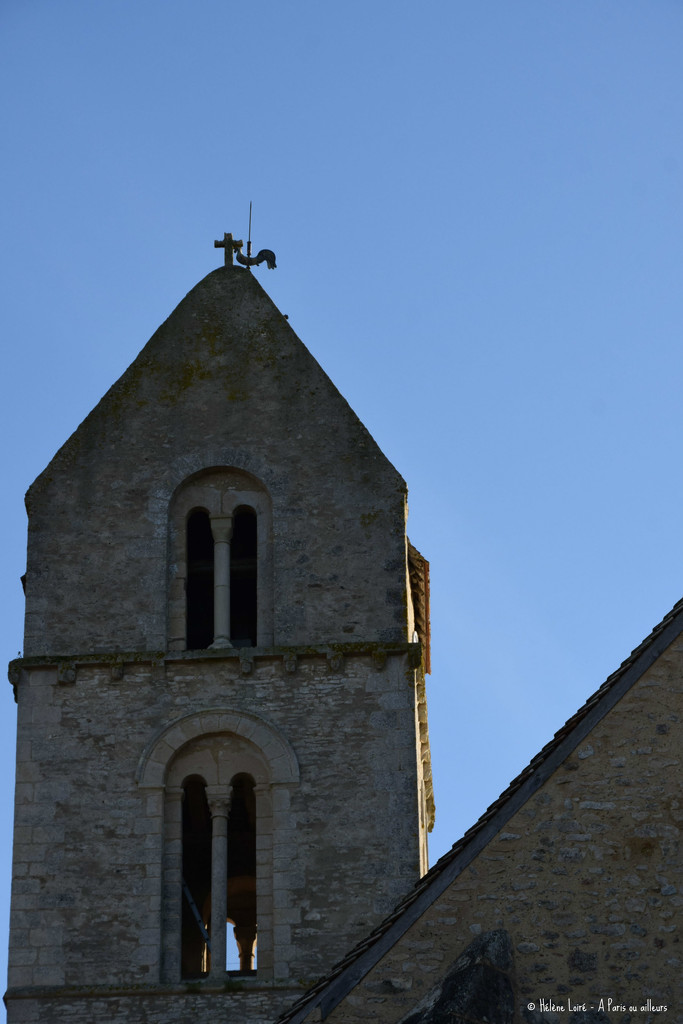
x=223 y=766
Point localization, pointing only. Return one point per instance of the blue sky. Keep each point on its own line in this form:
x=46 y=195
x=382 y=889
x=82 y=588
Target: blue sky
x=476 y=209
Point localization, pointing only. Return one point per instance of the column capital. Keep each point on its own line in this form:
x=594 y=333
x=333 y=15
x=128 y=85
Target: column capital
x=221 y=529
x=219 y=799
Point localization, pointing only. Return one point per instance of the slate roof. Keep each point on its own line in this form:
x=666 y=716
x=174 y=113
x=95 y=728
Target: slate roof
x=331 y=989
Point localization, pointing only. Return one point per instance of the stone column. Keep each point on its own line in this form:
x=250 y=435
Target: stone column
x=245 y=937
x=219 y=805
x=172 y=884
x=221 y=528
x=270 y=799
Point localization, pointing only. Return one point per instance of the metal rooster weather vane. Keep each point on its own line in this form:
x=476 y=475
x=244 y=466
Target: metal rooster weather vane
x=233 y=245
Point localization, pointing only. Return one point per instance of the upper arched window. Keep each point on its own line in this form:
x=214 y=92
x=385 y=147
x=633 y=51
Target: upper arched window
x=220 y=567
x=199 y=585
x=243 y=578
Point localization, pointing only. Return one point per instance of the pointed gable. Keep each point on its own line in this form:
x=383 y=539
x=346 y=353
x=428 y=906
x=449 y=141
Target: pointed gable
x=223 y=384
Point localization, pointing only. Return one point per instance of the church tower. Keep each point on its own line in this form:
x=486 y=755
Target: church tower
x=223 y=775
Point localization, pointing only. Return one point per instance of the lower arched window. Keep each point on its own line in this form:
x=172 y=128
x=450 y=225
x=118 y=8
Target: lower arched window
x=242 y=875
x=208 y=841
x=196 y=880
x=223 y=776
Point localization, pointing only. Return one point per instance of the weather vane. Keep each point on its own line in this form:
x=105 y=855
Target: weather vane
x=234 y=246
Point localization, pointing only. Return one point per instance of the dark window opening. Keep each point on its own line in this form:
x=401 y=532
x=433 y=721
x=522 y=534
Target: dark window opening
x=196 y=880
x=199 y=593
x=196 y=925
x=243 y=560
x=242 y=873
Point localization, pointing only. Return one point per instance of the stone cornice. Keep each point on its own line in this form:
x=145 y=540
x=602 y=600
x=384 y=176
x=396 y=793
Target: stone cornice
x=376 y=650
x=246 y=658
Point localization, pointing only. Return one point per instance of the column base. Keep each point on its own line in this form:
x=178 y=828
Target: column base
x=220 y=641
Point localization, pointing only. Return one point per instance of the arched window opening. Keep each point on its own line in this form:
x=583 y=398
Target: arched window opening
x=242 y=874
x=239 y=885
x=243 y=573
x=220 y=530
x=195 y=957
x=224 y=775
x=200 y=588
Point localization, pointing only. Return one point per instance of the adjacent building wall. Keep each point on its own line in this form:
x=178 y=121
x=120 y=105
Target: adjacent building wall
x=585 y=878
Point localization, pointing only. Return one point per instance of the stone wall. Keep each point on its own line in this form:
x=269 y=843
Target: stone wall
x=177 y=1006
x=585 y=878
x=89 y=838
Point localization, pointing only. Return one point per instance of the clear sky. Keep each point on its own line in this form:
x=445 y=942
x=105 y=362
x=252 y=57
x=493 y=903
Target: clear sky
x=476 y=210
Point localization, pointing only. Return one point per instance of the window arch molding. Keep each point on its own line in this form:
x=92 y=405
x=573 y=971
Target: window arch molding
x=216 y=745
x=220 y=492
x=278 y=755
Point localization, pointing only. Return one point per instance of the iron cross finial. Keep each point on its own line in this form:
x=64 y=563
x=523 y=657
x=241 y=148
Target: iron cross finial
x=233 y=245
x=230 y=245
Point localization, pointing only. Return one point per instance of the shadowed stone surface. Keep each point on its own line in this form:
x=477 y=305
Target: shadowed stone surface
x=580 y=1017
x=477 y=990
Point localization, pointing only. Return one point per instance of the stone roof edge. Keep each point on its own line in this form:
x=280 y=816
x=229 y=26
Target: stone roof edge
x=343 y=400
x=330 y=991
